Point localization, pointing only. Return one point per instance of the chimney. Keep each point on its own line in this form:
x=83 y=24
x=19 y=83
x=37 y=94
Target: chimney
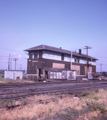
x=80 y=51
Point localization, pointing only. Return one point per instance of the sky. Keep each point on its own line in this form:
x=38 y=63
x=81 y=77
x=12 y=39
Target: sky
x=70 y=24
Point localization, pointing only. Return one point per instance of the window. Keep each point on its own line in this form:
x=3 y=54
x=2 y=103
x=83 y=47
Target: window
x=31 y=55
x=34 y=55
x=76 y=60
x=67 y=58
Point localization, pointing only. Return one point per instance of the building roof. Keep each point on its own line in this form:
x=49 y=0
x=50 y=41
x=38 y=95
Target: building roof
x=59 y=50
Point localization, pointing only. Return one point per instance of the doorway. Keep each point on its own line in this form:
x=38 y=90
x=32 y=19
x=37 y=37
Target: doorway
x=46 y=74
x=39 y=73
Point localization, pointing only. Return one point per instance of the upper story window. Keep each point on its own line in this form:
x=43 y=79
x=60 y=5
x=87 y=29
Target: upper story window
x=83 y=61
x=67 y=58
x=33 y=55
x=36 y=54
x=51 y=55
x=76 y=59
x=92 y=62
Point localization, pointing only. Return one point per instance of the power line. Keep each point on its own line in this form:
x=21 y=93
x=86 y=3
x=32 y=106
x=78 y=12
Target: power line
x=102 y=57
x=10 y=49
x=100 y=63
x=4 y=55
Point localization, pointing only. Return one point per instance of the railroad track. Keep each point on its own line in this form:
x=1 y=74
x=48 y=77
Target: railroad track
x=35 y=86
x=23 y=87
x=25 y=84
x=72 y=90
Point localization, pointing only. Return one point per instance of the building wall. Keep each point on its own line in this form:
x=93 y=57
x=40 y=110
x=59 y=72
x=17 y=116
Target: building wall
x=89 y=70
x=13 y=74
x=58 y=65
x=57 y=60
x=77 y=68
x=40 y=63
x=34 y=64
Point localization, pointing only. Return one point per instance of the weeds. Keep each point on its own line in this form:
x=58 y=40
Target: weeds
x=97 y=106
x=91 y=106
x=7 y=103
x=91 y=95
x=10 y=103
x=72 y=112
x=6 y=80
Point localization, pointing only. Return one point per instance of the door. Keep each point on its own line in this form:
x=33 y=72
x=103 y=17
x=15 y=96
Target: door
x=39 y=73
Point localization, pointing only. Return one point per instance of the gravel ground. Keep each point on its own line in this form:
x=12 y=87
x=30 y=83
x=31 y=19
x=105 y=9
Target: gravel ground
x=44 y=86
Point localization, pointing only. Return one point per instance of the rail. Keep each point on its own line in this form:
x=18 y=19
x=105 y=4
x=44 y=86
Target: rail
x=71 y=90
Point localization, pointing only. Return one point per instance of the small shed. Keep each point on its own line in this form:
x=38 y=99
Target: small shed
x=56 y=73
x=15 y=75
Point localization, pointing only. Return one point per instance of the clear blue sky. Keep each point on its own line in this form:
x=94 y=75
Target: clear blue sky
x=70 y=24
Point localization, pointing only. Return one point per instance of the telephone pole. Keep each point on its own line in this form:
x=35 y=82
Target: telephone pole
x=15 y=59
x=9 y=63
x=20 y=66
x=101 y=67
x=87 y=47
x=71 y=60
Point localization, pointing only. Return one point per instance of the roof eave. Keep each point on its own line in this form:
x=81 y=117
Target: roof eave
x=62 y=51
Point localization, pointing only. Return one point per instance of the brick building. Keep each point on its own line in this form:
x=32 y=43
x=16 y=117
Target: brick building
x=43 y=58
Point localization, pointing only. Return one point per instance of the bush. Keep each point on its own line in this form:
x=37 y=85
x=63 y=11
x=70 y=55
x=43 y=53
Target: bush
x=7 y=103
x=97 y=106
x=2 y=75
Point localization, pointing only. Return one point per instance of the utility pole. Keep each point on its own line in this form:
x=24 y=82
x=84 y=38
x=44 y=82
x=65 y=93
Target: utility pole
x=101 y=67
x=71 y=60
x=9 y=63
x=20 y=66
x=15 y=59
x=87 y=47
